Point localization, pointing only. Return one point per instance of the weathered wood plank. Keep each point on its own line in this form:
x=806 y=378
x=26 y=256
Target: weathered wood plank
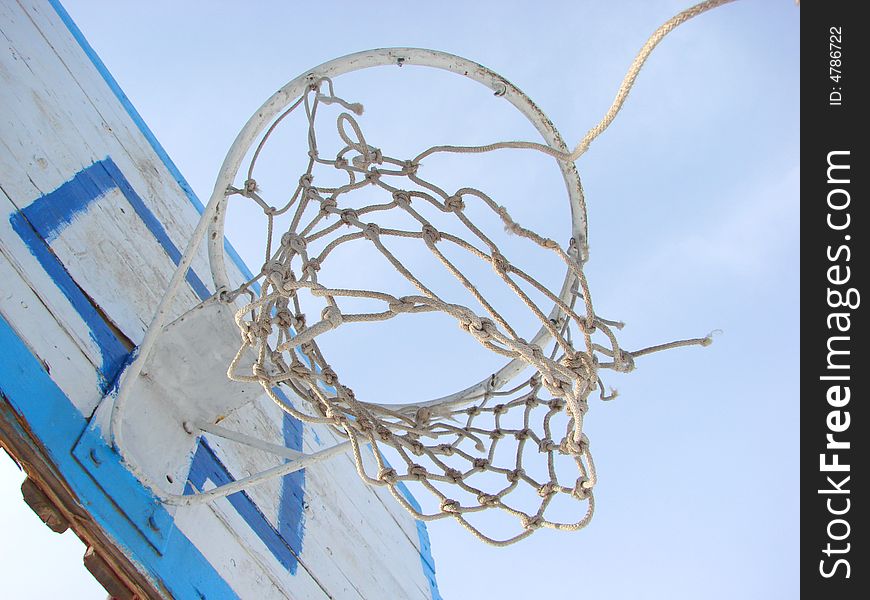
x=71 y=369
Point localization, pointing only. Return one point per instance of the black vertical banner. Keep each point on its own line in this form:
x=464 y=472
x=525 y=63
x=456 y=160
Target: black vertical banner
x=835 y=345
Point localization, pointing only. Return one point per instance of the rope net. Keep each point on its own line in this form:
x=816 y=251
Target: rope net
x=491 y=446
x=518 y=450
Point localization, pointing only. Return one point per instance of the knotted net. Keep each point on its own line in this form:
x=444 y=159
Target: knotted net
x=483 y=445
x=513 y=443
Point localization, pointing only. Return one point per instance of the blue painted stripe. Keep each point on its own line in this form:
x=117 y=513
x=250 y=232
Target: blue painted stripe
x=425 y=545
x=113 y=352
x=43 y=221
x=291 y=519
x=53 y=419
x=105 y=465
x=51 y=213
x=45 y=218
x=207 y=467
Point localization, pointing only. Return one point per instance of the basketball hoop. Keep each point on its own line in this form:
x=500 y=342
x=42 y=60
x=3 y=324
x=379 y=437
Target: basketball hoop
x=532 y=408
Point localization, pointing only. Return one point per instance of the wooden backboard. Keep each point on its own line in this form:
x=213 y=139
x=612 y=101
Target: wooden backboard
x=94 y=218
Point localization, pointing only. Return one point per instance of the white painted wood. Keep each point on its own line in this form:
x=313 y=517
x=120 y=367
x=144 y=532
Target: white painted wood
x=62 y=357
x=221 y=536
x=340 y=507
x=34 y=282
x=110 y=250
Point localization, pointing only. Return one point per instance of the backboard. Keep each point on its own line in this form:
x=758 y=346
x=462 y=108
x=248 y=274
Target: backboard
x=94 y=219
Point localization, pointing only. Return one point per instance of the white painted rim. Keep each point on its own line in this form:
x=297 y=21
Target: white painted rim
x=410 y=57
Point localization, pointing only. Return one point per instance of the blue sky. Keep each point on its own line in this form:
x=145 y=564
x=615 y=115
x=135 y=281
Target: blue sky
x=693 y=208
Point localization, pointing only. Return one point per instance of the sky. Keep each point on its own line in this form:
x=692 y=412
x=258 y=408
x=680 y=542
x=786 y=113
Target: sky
x=693 y=219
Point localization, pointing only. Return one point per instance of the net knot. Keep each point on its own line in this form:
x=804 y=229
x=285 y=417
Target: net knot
x=582 y=490
x=369 y=155
x=449 y=506
x=418 y=472
x=548 y=489
x=547 y=445
x=328 y=205
x=416 y=447
x=283 y=281
x=409 y=167
x=385 y=434
x=311 y=266
x=349 y=216
x=515 y=475
x=305 y=180
x=571 y=446
x=259 y=329
x=328 y=376
x=499 y=409
x=274 y=266
x=259 y=372
x=340 y=163
x=431 y=235
x=556 y=404
x=482 y=329
x=481 y=463
x=473 y=411
x=402 y=198
x=337 y=416
x=577 y=362
x=496 y=434
x=284 y=318
x=454 y=204
x=487 y=499
x=499 y=263
x=625 y=362
x=522 y=434
x=333 y=316
x=250 y=187
x=373 y=175
x=531 y=522
x=298 y=369
x=294 y=241
x=453 y=475
x=446 y=449
x=371 y=231
x=388 y=476
x=402 y=305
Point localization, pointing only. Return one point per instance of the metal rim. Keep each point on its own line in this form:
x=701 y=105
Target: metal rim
x=411 y=57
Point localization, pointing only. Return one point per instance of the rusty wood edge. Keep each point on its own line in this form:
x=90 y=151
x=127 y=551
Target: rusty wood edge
x=31 y=457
